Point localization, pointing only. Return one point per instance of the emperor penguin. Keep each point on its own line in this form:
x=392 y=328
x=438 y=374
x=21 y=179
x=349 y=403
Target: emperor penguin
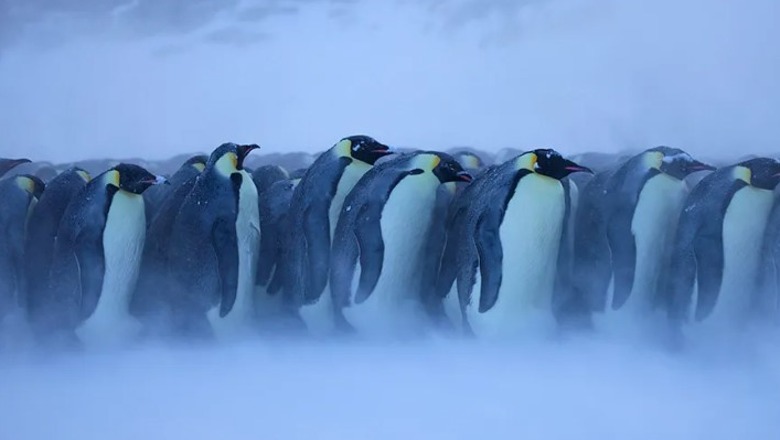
x=714 y=266
x=510 y=248
x=152 y=302
x=447 y=267
x=19 y=195
x=380 y=241
x=212 y=250
x=42 y=229
x=7 y=165
x=154 y=196
x=640 y=203
x=313 y=213
x=97 y=254
x=274 y=203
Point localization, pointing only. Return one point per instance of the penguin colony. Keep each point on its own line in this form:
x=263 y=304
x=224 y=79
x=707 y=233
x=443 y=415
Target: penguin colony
x=371 y=242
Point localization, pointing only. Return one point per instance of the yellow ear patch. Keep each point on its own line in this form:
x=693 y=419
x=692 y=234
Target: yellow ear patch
x=227 y=164
x=84 y=175
x=527 y=161
x=199 y=166
x=744 y=174
x=653 y=159
x=26 y=184
x=435 y=161
x=343 y=148
x=112 y=178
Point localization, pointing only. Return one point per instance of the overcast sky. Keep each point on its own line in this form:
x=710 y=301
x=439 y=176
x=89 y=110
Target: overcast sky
x=158 y=77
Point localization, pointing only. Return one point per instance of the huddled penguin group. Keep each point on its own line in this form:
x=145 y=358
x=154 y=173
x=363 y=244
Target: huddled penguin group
x=371 y=241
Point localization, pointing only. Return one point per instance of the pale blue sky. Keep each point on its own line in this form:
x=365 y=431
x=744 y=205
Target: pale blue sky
x=158 y=78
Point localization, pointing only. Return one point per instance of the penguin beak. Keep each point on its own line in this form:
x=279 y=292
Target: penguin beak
x=7 y=164
x=573 y=168
x=382 y=150
x=464 y=176
x=701 y=166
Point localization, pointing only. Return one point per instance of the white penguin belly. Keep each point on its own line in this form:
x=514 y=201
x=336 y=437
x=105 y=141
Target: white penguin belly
x=318 y=316
x=241 y=318
x=743 y=233
x=123 y=239
x=653 y=228
x=530 y=238
x=394 y=308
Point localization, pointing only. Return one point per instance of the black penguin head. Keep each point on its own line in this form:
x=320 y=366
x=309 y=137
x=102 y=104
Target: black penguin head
x=267 y=175
x=550 y=163
x=198 y=162
x=445 y=167
x=674 y=162
x=229 y=157
x=7 y=164
x=363 y=148
x=761 y=172
x=132 y=178
x=32 y=184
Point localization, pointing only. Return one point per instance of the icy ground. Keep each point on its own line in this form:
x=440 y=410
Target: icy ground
x=585 y=388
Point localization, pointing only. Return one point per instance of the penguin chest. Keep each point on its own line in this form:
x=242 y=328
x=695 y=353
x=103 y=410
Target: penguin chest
x=530 y=236
x=123 y=240
x=248 y=241
x=395 y=305
x=744 y=224
x=349 y=178
x=653 y=227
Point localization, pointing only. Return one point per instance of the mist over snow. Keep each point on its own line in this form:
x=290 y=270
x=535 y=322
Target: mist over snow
x=156 y=77
x=567 y=389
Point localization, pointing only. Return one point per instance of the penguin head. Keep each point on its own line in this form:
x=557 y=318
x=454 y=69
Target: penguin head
x=83 y=174
x=550 y=163
x=443 y=166
x=198 y=162
x=363 y=148
x=674 y=162
x=470 y=161
x=31 y=184
x=762 y=172
x=132 y=178
x=7 y=164
x=229 y=157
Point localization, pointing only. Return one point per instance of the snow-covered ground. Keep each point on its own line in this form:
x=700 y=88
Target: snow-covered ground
x=578 y=388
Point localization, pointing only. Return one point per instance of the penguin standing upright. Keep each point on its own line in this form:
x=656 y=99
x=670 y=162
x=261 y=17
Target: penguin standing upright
x=156 y=195
x=151 y=302
x=19 y=195
x=314 y=210
x=512 y=238
x=42 y=230
x=97 y=254
x=444 y=305
x=718 y=247
x=275 y=191
x=213 y=246
x=7 y=165
x=380 y=242
x=640 y=203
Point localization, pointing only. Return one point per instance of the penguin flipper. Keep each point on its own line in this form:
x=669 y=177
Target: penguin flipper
x=316 y=228
x=623 y=247
x=226 y=248
x=709 y=259
x=491 y=256
x=368 y=232
x=88 y=254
